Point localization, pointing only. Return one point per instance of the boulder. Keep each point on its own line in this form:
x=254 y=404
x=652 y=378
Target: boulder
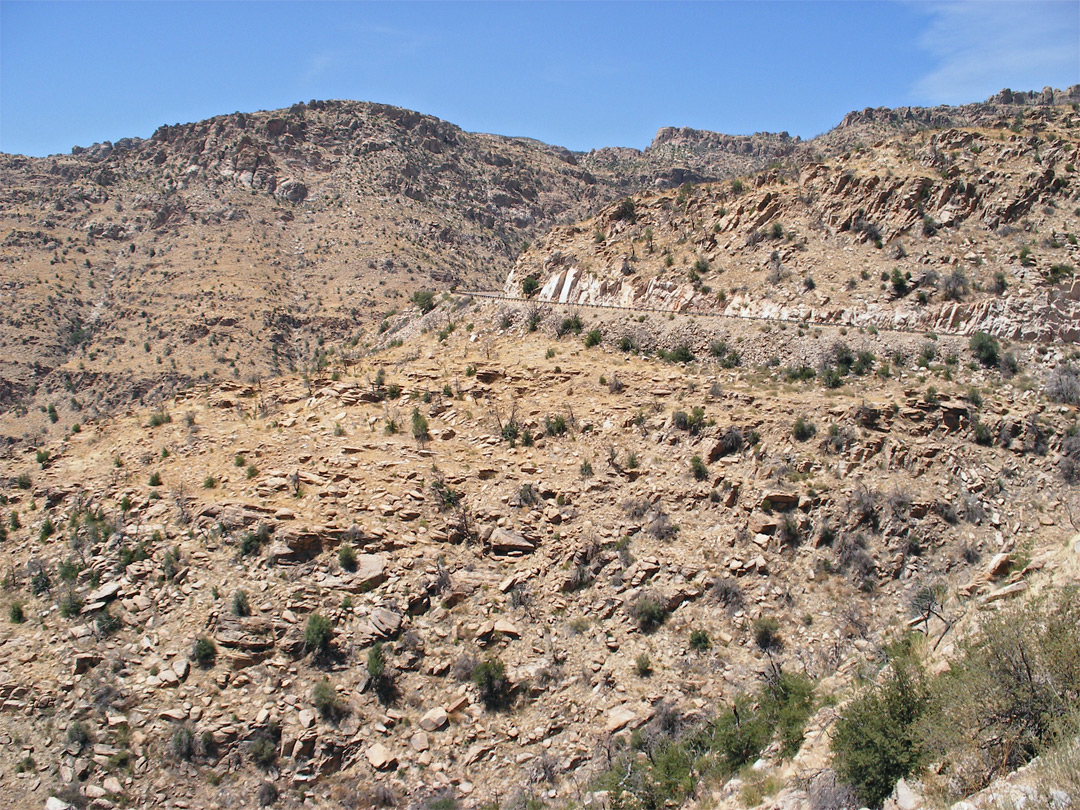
x=380 y=758
x=434 y=720
x=291 y=190
x=503 y=541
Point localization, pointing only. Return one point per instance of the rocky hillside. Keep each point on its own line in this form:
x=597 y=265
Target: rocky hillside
x=476 y=566
x=233 y=248
x=954 y=230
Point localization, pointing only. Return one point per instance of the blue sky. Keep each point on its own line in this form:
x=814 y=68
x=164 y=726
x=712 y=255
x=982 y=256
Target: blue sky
x=582 y=75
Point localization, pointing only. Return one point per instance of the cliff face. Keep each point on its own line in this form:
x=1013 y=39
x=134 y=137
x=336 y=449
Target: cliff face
x=956 y=230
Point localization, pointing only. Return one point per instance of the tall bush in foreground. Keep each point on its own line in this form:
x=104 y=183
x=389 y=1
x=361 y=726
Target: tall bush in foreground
x=877 y=740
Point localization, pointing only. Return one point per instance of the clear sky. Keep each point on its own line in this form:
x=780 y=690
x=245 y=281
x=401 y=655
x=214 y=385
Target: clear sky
x=582 y=75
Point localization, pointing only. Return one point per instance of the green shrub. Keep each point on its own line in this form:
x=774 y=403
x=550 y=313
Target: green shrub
x=324 y=698
x=625 y=211
x=529 y=285
x=40 y=582
x=876 y=740
x=643 y=665
x=22 y=481
x=740 y=734
x=318 y=633
x=986 y=349
x=420 y=426
x=71 y=604
x=698 y=469
x=803 y=429
x=699 y=640
x=204 y=653
x=108 y=623
x=900 y=283
x=648 y=613
x=155 y=480
x=766 y=630
x=490 y=680
x=183 y=744
x=692 y=422
x=555 y=425
x=1012 y=692
x=240 y=605
x=571 y=324
x=16 y=614
x=346 y=557
x=680 y=354
x=424 y=300
x=78 y=735
x=593 y=338
x=160 y=418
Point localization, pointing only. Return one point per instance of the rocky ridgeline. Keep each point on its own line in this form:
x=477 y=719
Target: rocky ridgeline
x=957 y=214
x=168 y=572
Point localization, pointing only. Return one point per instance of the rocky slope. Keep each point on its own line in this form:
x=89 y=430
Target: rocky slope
x=229 y=248
x=551 y=493
x=955 y=230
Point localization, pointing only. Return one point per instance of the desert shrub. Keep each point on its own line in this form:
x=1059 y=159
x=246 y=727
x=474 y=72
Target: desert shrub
x=424 y=300
x=1070 y=459
x=741 y=733
x=347 y=557
x=643 y=665
x=267 y=794
x=492 y=684
x=16 y=613
x=955 y=285
x=838 y=439
x=555 y=425
x=528 y=495
x=78 y=735
x=900 y=282
x=787 y=531
x=803 y=429
x=317 y=633
x=698 y=469
x=731 y=442
x=983 y=435
x=876 y=740
x=160 y=418
x=263 y=750
x=986 y=349
x=863 y=505
x=572 y=324
x=728 y=593
x=692 y=422
x=648 y=612
x=766 y=631
x=529 y=285
x=324 y=698
x=182 y=745
x=204 y=652
x=626 y=211
x=1011 y=693
x=40 y=582
x=108 y=623
x=699 y=640
x=593 y=338
x=852 y=556
x=240 y=605
x=420 y=426
x=680 y=354
x=1063 y=384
